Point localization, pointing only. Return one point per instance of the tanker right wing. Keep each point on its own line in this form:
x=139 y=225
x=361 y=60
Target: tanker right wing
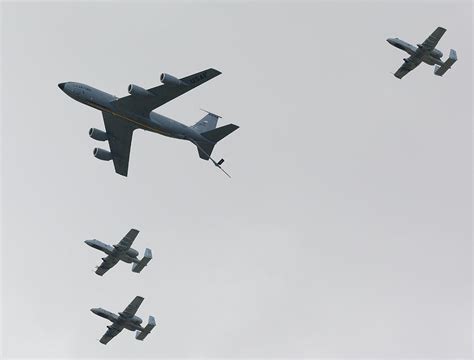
x=143 y=101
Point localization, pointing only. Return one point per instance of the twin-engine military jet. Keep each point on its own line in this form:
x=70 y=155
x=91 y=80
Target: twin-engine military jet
x=120 y=252
x=125 y=320
x=123 y=115
x=425 y=52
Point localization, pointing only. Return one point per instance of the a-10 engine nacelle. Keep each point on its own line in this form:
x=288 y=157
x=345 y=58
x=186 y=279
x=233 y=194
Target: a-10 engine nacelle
x=436 y=53
x=136 y=319
x=97 y=134
x=138 y=91
x=102 y=154
x=168 y=79
x=132 y=252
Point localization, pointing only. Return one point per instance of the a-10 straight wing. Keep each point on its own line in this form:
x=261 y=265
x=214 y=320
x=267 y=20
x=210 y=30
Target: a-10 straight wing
x=132 y=308
x=108 y=263
x=112 y=331
x=430 y=43
x=409 y=64
x=127 y=240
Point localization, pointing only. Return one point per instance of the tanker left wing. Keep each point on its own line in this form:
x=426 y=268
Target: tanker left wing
x=119 y=134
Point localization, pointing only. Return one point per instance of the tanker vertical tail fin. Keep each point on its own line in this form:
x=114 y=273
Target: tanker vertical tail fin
x=207 y=123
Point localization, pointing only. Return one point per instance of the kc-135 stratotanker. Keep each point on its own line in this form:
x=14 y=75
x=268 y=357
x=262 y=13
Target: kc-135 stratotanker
x=123 y=115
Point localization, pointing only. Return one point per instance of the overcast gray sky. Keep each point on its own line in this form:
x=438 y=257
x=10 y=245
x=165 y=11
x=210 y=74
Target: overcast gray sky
x=344 y=232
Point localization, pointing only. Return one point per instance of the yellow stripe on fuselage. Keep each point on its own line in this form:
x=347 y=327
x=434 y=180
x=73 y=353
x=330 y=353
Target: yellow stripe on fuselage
x=149 y=128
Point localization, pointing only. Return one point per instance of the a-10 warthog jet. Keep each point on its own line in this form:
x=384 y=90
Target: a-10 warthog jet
x=123 y=115
x=425 y=52
x=120 y=252
x=125 y=320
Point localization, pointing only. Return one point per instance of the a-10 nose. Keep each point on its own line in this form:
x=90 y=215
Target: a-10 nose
x=61 y=86
x=95 y=310
x=391 y=41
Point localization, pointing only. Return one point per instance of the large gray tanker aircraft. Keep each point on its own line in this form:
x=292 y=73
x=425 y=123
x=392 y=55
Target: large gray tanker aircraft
x=123 y=115
x=425 y=52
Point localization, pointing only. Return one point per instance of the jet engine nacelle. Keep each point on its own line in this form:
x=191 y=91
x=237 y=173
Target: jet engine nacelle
x=168 y=79
x=102 y=154
x=136 y=319
x=132 y=252
x=437 y=53
x=97 y=134
x=138 y=91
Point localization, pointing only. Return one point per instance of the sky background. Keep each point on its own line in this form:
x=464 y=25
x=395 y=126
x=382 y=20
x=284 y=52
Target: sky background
x=345 y=230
